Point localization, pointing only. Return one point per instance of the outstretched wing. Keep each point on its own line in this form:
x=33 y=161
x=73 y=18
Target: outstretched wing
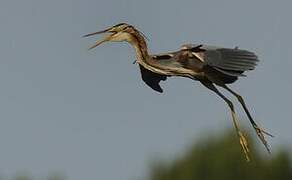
x=231 y=59
x=152 y=79
x=231 y=62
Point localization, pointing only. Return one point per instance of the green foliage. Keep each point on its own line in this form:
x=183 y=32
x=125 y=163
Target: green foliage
x=221 y=158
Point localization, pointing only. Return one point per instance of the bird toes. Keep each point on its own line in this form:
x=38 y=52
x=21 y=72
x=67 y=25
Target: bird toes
x=244 y=145
x=260 y=134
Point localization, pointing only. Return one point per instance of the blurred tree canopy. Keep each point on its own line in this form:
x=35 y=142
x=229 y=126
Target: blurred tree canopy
x=220 y=158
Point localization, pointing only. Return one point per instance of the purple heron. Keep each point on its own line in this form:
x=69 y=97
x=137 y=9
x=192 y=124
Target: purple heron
x=210 y=65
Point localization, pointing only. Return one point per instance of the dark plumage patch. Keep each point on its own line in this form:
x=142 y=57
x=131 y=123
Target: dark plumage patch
x=120 y=24
x=162 y=57
x=214 y=74
x=152 y=79
x=198 y=48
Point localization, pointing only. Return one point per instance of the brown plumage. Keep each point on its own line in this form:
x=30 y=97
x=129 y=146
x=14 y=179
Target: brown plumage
x=212 y=66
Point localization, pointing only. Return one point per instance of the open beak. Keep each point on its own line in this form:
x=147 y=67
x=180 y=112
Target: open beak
x=104 y=39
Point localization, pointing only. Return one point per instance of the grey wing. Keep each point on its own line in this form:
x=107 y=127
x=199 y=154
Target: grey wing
x=230 y=59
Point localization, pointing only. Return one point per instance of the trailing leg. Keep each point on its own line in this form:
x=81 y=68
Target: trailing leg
x=260 y=132
x=242 y=139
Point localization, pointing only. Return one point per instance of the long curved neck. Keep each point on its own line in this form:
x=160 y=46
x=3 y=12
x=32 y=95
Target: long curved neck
x=142 y=55
x=144 y=59
x=140 y=46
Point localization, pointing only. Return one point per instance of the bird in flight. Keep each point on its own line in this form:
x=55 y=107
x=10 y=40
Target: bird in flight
x=212 y=66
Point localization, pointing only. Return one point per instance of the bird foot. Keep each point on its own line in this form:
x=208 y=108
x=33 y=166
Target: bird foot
x=244 y=145
x=263 y=131
x=260 y=132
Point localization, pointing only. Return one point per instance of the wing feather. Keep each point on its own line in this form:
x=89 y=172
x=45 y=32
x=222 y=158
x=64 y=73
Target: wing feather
x=231 y=59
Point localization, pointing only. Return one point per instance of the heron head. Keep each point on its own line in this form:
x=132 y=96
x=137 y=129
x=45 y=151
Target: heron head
x=119 y=32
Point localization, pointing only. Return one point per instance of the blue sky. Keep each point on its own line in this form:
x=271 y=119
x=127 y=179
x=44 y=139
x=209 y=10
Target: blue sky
x=88 y=113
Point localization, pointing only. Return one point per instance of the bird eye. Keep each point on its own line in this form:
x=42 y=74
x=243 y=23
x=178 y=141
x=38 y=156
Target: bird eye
x=125 y=27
